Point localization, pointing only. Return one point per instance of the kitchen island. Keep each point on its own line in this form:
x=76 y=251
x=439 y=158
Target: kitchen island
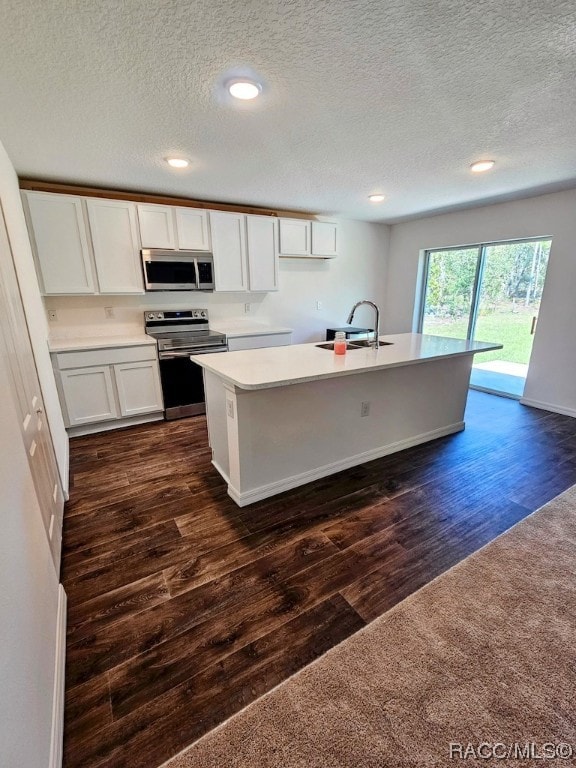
x=284 y=416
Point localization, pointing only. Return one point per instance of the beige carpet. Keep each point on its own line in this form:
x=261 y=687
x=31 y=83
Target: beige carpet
x=485 y=653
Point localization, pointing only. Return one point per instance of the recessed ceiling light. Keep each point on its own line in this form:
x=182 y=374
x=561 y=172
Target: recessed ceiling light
x=481 y=166
x=178 y=162
x=244 y=89
x=376 y=198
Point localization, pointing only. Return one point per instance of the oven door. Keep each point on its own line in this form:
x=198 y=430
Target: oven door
x=183 y=382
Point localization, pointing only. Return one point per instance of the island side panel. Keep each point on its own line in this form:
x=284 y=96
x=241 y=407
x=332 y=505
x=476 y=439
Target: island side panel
x=215 y=394
x=282 y=437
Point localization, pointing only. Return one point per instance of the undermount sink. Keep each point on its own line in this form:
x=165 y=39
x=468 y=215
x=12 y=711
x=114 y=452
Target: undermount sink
x=370 y=343
x=330 y=345
x=357 y=344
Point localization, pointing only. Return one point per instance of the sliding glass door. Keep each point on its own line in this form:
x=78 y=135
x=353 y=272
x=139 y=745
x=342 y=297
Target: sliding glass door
x=488 y=292
x=451 y=277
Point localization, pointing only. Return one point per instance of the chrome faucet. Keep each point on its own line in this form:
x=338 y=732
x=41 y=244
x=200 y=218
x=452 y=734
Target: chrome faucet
x=376 y=310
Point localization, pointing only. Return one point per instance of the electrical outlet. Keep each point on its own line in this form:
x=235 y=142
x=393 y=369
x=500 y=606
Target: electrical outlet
x=230 y=408
x=109 y=313
x=319 y=306
x=52 y=315
x=365 y=408
x=246 y=308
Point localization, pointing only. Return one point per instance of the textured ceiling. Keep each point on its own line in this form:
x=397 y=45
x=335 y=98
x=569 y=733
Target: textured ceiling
x=360 y=96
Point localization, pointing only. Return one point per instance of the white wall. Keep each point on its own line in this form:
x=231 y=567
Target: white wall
x=28 y=603
x=552 y=372
x=37 y=326
x=357 y=273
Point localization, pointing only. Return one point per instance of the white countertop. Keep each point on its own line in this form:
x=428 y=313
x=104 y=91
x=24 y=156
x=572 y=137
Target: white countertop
x=98 y=342
x=234 y=328
x=282 y=366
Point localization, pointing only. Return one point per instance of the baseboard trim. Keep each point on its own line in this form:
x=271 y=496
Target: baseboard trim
x=106 y=426
x=58 y=697
x=286 y=484
x=221 y=471
x=548 y=407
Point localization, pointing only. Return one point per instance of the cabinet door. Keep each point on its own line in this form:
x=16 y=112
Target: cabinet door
x=294 y=237
x=262 y=255
x=89 y=395
x=229 y=249
x=193 y=229
x=157 y=226
x=324 y=238
x=114 y=229
x=61 y=243
x=139 y=389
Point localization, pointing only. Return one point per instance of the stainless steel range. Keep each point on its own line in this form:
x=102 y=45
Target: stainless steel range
x=180 y=333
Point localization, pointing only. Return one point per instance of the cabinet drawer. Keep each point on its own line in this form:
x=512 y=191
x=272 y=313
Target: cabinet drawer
x=80 y=359
x=257 y=342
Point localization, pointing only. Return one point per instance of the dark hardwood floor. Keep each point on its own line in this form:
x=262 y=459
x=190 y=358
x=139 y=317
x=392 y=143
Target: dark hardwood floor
x=183 y=608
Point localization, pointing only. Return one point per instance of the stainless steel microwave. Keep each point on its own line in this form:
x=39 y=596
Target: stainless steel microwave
x=177 y=270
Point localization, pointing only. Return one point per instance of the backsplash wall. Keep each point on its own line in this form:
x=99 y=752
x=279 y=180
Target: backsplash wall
x=359 y=272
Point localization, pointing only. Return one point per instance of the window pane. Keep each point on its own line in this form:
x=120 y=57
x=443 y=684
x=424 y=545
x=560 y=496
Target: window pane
x=449 y=291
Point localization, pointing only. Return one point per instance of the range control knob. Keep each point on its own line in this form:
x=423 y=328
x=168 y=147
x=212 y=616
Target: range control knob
x=202 y=314
x=150 y=316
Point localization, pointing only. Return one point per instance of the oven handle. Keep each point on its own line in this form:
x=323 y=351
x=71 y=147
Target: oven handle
x=206 y=351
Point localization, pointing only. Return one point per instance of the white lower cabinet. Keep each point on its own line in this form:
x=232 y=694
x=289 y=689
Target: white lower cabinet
x=89 y=395
x=138 y=387
x=105 y=385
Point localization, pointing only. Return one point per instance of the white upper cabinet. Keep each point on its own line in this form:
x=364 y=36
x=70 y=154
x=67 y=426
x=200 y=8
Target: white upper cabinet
x=229 y=249
x=114 y=229
x=165 y=226
x=60 y=240
x=324 y=238
x=308 y=239
x=92 y=245
x=157 y=228
x=262 y=253
x=193 y=229
x=294 y=237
